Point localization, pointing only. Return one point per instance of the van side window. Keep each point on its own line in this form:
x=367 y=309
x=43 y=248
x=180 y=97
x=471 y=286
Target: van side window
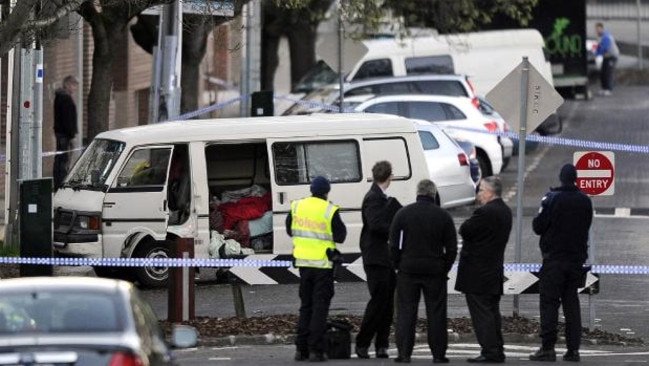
x=429 y=65
x=145 y=167
x=428 y=141
x=388 y=108
x=298 y=162
x=374 y=68
x=393 y=149
x=428 y=111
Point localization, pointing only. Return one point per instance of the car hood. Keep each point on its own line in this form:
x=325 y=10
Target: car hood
x=79 y=200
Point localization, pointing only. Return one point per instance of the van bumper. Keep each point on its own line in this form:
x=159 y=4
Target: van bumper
x=78 y=245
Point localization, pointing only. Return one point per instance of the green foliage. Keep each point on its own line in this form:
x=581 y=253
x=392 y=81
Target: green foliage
x=9 y=250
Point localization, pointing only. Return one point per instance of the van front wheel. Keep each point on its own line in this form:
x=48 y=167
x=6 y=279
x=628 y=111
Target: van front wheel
x=152 y=276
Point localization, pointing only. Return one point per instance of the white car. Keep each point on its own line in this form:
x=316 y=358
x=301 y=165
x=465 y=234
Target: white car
x=448 y=164
x=458 y=116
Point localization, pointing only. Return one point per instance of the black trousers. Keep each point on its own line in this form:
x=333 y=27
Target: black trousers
x=558 y=286
x=316 y=291
x=381 y=282
x=487 y=324
x=61 y=160
x=607 y=74
x=409 y=289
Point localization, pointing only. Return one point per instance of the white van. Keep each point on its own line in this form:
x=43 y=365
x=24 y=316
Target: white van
x=134 y=190
x=487 y=57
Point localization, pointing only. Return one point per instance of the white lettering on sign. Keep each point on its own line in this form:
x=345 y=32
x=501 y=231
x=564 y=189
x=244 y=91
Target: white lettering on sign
x=593 y=163
x=536 y=99
x=594 y=183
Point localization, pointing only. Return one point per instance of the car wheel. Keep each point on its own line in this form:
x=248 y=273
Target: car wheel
x=108 y=272
x=152 y=276
x=485 y=165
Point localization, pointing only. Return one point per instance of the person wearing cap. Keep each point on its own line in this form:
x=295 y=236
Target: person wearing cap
x=315 y=225
x=563 y=222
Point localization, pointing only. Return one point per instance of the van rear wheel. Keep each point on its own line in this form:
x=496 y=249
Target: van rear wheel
x=152 y=276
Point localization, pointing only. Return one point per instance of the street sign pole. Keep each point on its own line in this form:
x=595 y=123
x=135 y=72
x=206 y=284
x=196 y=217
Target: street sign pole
x=522 y=132
x=341 y=75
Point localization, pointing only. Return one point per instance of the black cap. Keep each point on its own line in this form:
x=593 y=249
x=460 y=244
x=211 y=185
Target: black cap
x=568 y=174
x=320 y=185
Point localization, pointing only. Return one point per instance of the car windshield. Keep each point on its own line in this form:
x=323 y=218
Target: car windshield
x=94 y=165
x=314 y=101
x=320 y=75
x=60 y=311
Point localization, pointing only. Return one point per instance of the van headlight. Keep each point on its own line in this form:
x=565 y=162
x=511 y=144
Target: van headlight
x=88 y=222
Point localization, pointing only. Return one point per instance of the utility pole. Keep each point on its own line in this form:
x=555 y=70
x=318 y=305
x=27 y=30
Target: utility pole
x=251 y=60
x=167 y=57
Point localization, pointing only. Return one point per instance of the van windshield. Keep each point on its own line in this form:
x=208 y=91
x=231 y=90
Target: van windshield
x=94 y=165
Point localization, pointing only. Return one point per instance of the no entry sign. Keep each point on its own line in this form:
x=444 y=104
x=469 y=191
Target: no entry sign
x=595 y=172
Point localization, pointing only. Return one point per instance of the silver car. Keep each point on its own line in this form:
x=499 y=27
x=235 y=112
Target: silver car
x=79 y=321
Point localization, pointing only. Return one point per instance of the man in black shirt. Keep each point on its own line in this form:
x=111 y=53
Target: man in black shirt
x=65 y=127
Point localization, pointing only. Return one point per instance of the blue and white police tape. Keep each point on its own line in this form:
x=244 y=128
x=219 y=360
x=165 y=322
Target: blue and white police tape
x=257 y=263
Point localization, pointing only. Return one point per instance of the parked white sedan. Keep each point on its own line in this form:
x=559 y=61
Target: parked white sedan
x=458 y=116
x=448 y=164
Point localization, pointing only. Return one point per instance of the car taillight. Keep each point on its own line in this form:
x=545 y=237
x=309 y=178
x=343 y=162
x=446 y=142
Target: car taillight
x=125 y=359
x=491 y=126
x=476 y=102
x=464 y=160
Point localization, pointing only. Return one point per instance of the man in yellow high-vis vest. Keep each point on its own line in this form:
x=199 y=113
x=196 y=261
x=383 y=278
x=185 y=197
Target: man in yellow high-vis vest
x=315 y=225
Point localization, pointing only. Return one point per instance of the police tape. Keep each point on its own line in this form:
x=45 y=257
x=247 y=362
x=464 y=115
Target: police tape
x=257 y=263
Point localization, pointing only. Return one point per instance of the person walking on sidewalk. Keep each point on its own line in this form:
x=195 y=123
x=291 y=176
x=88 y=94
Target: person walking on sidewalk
x=377 y=212
x=423 y=244
x=65 y=127
x=607 y=48
x=480 y=272
x=563 y=222
x=315 y=225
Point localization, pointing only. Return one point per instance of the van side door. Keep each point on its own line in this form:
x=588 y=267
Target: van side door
x=294 y=162
x=136 y=202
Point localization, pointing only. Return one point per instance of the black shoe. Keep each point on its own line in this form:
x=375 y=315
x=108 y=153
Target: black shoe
x=440 y=360
x=483 y=359
x=317 y=357
x=382 y=352
x=301 y=356
x=361 y=352
x=401 y=359
x=548 y=355
x=571 y=356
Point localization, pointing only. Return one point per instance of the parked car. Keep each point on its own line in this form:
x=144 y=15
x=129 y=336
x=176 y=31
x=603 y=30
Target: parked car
x=474 y=164
x=448 y=164
x=457 y=116
x=507 y=144
x=327 y=97
x=79 y=321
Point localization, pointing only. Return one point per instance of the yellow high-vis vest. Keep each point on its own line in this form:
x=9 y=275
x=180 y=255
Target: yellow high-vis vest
x=312 y=233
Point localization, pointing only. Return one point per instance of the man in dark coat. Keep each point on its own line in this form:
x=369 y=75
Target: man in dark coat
x=65 y=127
x=377 y=212
x=480 y=271
x=563 y=222
x=423 y=244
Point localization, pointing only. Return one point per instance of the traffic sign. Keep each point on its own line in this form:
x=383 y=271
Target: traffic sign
x=595 y=172
x=542 y=98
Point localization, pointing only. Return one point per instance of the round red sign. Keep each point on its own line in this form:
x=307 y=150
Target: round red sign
x=595 y=173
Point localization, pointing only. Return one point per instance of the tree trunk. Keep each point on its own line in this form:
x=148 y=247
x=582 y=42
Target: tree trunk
x=301 y=40
x=195 y=33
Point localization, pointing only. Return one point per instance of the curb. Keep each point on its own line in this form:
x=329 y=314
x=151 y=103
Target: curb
x=453 y=337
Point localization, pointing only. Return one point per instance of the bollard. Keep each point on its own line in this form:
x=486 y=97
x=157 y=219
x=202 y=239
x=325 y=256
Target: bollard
x=181 y=284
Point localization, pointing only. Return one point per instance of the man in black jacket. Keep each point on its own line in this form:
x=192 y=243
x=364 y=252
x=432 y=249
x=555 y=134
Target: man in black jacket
x=377 y=212
x=563 y=222
x=423 y=244
x=65 y=127
x=480 y=271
